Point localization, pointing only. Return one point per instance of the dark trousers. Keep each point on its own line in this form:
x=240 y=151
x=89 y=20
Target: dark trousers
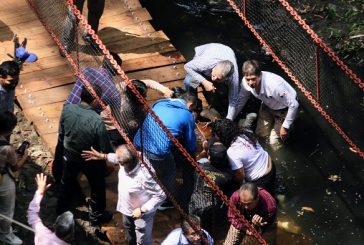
x=267 y=181
x=95 y=174
x=95 y=11
x=184 y=191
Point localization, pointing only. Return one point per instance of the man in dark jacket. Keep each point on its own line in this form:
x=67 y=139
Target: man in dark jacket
x=80 y=128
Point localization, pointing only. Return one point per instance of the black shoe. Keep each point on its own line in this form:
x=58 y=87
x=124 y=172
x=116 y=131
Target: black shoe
x=104 y=218
x=166 y=205
x=88 y=39
x=67 y=48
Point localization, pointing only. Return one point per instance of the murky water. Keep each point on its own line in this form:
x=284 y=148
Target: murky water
x=324 y=202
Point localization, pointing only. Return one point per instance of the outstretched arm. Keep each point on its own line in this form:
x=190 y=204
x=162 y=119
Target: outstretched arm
x=167 y=93
x=34 y=206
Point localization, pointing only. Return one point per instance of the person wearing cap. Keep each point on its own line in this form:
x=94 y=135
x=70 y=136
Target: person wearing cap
x=214 y=66
x=139 y=195
x=63 y=226
x=22 y=55
x=204 y=202
x=279 y=102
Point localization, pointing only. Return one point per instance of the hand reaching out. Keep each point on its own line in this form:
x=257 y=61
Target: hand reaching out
x=92 y=155
x=41 y=181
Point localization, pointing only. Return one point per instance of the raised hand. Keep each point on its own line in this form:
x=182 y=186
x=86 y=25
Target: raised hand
x=41 y=181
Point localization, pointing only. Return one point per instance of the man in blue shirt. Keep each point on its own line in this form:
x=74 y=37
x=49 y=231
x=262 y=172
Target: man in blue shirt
x=176 y=115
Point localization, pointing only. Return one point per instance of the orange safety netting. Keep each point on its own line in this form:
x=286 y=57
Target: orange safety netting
x=57 y=16
x=327 y=82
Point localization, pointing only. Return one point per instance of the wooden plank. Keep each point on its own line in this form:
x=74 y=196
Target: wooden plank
x=160 y=74
x=50 y=140
x=44 y=97
x=133 y=29
x=153 y=61
x=135 y=43
x=46 y=73
x=45 y=118
x=127 y=18
x=120 y=4
x=41 y=84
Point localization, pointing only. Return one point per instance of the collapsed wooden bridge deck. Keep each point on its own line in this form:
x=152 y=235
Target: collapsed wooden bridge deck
x=45 y=84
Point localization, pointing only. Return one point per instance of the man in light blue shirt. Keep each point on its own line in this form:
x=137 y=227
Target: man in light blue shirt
x=214 y=66
x=187 y=235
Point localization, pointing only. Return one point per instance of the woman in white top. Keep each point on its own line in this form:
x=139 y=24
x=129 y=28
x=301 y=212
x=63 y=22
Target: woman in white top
x=248 y=160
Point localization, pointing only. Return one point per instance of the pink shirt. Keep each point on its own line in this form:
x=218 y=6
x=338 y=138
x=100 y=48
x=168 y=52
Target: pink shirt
x=43 y=235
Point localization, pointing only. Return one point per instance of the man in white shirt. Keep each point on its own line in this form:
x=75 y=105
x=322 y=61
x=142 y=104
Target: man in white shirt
x=139 y=195
x=279 y=101
x=189 y=234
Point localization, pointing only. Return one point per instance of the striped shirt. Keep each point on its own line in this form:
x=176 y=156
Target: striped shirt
x=205 y=59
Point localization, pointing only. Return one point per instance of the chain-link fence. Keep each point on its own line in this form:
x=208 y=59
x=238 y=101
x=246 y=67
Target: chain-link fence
x=332 y=87
x=132 y=121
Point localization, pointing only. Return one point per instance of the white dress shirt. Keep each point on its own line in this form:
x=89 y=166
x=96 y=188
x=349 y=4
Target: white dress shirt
x=137 y=189
x=276 y=94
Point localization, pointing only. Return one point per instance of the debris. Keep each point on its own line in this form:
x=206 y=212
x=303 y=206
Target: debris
x=289 y=227
x=334 y=177
x=307 y=209
x=353 y=150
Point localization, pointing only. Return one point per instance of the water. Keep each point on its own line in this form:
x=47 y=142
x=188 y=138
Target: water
x=324 y=203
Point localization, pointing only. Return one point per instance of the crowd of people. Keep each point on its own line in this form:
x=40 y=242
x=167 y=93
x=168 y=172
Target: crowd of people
x=234 y=158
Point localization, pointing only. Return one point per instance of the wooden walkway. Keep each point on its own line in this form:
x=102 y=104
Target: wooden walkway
x=45 y=84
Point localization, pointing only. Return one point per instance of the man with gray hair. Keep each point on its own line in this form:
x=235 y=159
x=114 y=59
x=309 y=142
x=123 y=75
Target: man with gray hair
x=63 y=226
x=214 y=66
x=139 y=195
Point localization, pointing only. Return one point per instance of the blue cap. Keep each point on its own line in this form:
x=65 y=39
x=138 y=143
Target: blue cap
x=23 y=55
